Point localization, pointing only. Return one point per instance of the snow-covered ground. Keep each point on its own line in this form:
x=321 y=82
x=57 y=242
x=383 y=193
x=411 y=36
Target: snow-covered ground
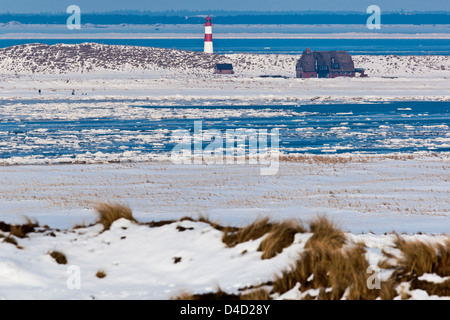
x=142 y=262
x=100 y=72
x=227 y=90
x=138 y=261
x=364 y=194
x=367 y=194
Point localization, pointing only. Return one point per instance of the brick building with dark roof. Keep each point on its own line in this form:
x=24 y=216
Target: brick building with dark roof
x=325 y=64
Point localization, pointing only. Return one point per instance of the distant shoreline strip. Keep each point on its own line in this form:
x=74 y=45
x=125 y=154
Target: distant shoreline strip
x=351 y=35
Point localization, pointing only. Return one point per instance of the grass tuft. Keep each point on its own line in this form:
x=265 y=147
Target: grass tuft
x=108 y=213
x=232 y=237
x=21 y=230
x=325 y=234
x=419 y=258
x=260 y=294
x=218 y=295
x=342 y=272
x=12 y=241
x=336 y=271
x=59 y=257
x=184 y=296
x=281 y=236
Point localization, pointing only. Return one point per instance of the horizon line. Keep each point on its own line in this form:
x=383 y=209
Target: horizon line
x=234 y=12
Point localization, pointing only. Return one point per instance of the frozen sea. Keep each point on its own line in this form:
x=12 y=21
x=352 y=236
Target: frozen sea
x=31 y=133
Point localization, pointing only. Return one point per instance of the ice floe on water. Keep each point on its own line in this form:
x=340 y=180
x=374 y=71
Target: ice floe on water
x=98 y=131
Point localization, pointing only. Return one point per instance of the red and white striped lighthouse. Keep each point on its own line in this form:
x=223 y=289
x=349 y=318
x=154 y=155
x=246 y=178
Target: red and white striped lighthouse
x=208 y=36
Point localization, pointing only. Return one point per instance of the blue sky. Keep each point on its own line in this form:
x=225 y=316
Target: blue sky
x=256 y=5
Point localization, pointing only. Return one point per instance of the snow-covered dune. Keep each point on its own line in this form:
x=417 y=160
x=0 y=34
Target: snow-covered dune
x=168 y=259
x=91 y=57
x=118 y=72
x=94 y=57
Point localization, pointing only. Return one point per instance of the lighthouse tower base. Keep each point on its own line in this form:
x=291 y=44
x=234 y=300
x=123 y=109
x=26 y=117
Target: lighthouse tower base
x=208 y=47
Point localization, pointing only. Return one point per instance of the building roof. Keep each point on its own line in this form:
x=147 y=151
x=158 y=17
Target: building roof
x=307 y=62
x=334 y=60
x=224 y=66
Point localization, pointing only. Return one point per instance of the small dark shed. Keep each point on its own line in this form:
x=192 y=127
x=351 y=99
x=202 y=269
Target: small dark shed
x=223 y=68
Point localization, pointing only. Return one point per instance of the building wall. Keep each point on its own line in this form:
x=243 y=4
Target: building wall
x=335 y=74
x=224 y=72
x=305 y=75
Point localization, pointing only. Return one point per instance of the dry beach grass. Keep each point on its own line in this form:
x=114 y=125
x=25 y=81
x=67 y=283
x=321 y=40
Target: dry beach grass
x=338 y=270
x=108 y=213
x=329 y=266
